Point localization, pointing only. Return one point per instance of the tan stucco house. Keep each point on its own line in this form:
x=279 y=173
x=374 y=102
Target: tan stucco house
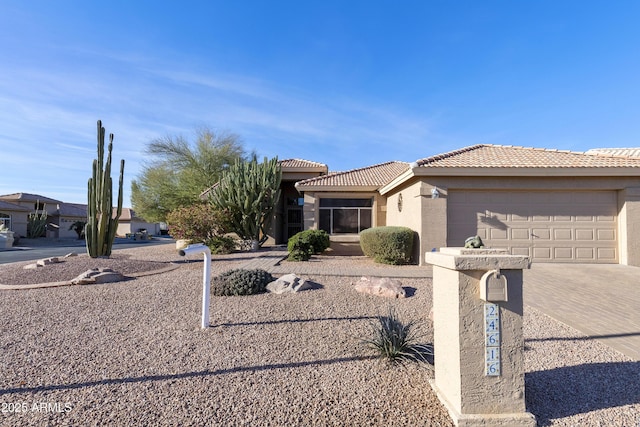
x=15 y=208
x=551 y=205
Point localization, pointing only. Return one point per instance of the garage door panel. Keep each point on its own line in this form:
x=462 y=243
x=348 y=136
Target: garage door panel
x=606 y=235
x=585 y=234
x=519 y=234
x=542 y=233
x=542 y=254
x=562 y=234
x=561 y=226
x=563 y=254
x=522 y=251
x=585 y=254
x=607 y=254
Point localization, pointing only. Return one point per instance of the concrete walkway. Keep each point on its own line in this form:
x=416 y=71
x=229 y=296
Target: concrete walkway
x=270 y=262
x=602 y=301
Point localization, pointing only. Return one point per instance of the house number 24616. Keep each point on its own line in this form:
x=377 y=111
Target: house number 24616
x=492 y=339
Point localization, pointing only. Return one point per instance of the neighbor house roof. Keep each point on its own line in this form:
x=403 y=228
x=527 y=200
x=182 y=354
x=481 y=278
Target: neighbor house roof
x=72 y=209
x=501 y=156
x=6 y=206
x=629 y=152
x=368 y=178
x=301 y=163
x=27 y=197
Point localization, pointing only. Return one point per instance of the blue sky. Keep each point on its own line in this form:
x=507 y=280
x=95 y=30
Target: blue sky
x=346 y=83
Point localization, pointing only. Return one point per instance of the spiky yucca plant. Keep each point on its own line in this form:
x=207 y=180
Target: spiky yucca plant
x=396 y=341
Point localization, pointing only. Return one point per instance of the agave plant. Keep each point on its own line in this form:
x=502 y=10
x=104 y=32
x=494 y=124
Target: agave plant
x=396 y=341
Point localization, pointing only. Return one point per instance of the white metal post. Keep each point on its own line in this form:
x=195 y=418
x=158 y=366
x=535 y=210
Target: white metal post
x=206 y=277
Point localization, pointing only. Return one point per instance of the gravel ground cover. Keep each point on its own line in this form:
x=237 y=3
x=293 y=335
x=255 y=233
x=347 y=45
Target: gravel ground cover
x=132 y=353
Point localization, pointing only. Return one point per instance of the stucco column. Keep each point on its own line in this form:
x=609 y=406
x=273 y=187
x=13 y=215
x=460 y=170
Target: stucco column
x=629 y=226
x=477 y=390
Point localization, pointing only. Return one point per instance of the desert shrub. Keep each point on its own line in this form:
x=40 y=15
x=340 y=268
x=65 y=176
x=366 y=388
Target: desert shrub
x=306 y=243
x=199 y=223
x=387 y=245
x=241 y=282
x=319 y=240
x=396 y=341
x=299 y=247
x=221 y=244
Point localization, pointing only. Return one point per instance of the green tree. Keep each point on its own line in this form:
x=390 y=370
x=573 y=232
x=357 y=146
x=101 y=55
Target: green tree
x=179 y=171
x=248 y=192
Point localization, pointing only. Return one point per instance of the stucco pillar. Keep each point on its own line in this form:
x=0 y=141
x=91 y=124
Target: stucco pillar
x=629 y=226
x=433 y=231
x=475 y=390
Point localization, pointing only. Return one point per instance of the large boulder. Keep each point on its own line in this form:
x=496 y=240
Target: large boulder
x=288 y=283
x=380 y=286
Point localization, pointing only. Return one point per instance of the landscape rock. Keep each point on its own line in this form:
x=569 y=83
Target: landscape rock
x=32 y=266
x=288 y=283
x=47 y=261
x=380 y=286
x=97 y=276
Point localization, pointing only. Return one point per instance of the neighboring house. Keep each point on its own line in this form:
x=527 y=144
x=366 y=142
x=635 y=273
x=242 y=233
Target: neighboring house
x=129 y=223
x=14 y=217
x=14 y=209
x=551 y=205
x=32 y=203
x=64 y=217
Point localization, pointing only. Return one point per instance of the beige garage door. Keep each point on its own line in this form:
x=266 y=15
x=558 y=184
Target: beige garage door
x=559 y=226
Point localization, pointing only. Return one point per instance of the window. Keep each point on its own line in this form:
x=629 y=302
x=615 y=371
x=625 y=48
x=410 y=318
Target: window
x=342 y=216
x=5 y=220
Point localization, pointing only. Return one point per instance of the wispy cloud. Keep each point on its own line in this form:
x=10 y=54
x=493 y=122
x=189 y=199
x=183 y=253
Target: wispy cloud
x=51 y=114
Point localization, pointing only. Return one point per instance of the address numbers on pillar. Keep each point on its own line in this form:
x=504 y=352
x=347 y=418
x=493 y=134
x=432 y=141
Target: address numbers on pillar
x=492 y=339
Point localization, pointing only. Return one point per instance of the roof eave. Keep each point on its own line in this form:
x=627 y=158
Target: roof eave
x=301 y=169
x=400 y=179
x=337 y=188
x=544 y=171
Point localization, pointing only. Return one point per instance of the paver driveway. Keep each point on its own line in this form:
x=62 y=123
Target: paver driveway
x=600 y=300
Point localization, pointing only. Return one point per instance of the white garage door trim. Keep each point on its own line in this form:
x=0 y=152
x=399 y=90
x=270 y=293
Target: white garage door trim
x=549 y=226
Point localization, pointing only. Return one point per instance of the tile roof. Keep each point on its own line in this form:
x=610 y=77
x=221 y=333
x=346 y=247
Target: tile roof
x=72 y=209
x=370 y=176
x=300 y=163
x=6 y=206
x=28 y=197
x=630 y=152
x=503 y=156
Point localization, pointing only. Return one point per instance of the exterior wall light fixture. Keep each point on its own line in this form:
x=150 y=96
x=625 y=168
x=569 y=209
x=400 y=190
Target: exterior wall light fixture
x=435 y=193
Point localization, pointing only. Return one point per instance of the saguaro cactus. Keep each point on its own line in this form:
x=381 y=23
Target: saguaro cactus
x=101 y=225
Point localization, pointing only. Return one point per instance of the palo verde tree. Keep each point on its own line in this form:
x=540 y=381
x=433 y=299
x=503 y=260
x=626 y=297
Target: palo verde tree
x=101 y=224
x=248 y=193
x=179 y=170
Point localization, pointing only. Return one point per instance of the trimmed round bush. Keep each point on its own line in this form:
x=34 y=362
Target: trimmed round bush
x=306 y=243
x=241 y=282
x=299 y=247
x=387 y=245
x=319 y=240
